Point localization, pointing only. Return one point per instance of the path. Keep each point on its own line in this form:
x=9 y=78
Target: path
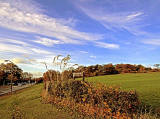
x=15 y=88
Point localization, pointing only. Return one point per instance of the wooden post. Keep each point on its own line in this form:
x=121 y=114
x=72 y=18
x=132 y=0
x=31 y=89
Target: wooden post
x=11 y=83
x=83 y=75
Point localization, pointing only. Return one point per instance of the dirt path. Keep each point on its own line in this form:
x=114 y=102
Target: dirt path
x=7 y=89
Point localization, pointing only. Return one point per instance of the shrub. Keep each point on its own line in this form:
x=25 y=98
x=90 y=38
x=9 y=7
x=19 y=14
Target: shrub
x=93 y=101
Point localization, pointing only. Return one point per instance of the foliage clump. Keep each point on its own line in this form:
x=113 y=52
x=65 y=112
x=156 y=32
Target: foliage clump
x=93 y=101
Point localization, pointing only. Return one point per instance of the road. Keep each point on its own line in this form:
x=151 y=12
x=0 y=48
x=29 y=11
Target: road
x=7 y=90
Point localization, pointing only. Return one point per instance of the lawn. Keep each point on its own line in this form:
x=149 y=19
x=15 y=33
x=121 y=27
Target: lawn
x=30 y=106
x=29 y=102
x=147 y=85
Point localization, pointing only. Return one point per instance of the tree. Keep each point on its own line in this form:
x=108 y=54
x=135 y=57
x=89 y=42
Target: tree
x=2 y=77
x=157 y=66
x=10 y=71
x=140 y=68
x=110 y=69
x=27 y=76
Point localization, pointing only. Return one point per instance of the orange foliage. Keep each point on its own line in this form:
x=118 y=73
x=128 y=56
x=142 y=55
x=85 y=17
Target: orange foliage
x=96 y=102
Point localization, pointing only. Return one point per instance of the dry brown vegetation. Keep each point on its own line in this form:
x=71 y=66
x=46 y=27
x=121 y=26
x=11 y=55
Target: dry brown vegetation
x=95 y=102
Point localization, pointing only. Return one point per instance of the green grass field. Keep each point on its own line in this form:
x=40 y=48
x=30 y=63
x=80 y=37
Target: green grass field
x=147 y=85
x=29 y=100
x=30 y=105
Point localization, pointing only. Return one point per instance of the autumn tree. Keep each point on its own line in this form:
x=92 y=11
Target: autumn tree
x=2 y=77
x=10 y=71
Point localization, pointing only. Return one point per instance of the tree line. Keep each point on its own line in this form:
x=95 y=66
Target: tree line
x=98 y=70
x=107 y=69
x=10 y=71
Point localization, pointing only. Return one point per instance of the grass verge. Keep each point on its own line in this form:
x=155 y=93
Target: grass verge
x=26 y=104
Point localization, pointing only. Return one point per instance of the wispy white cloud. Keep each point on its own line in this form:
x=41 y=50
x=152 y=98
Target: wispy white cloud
x=33 y=68
x=133 y=16
x=107 y=45
x=114 y=20
x=47 y=41
x=20 y=61
x=13 y=41
x=40 y=51
x=92 y=56
x=152 y=41
x=27 y=6
x=1 y=61
x=28 y=20
x=13 y=48
x=12 y=17
x=85 y=52
x=37 y=74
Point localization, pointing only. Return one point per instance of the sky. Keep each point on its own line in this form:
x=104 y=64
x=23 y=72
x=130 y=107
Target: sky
x=91 y=31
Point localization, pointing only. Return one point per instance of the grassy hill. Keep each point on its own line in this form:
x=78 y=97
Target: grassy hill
x=27 y=103
x=147 y=85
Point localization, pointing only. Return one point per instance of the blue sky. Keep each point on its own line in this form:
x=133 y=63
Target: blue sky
x=91 y=31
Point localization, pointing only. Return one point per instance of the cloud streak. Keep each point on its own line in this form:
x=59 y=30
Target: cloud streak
x=152 y=42
x=16 y=46
x=84 y=52
x=47 y=41
x=13 y=41
x=107 y=45
x=12 y=17
x=13 y=48
x=20 y=61
x=114 y=19
x=40 y=51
